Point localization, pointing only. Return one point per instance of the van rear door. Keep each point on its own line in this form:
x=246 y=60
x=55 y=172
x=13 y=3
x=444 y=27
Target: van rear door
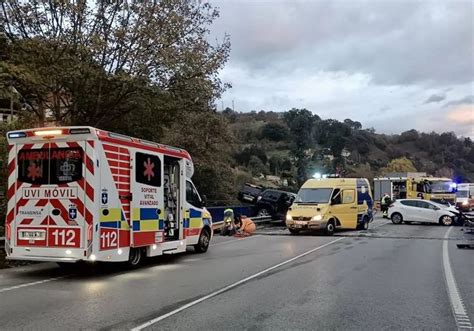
x=50 y=195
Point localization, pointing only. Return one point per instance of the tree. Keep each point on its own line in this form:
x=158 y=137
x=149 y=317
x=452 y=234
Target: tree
x=256 y=166
x=210 y=152
x=332 y=134
x=399 y=165
x=84 y=60
x=275 y=164
x=230 y=114
x=246 y=154
x=353 y=124
x=410 y=135
x=274 y=132
x=300 y=122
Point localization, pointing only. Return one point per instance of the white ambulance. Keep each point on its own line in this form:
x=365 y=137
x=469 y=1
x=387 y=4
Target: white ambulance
x=80 y=193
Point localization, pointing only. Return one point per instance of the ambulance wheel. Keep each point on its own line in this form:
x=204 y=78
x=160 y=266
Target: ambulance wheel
x=135 y=257
x=330 y=228
x=294 y=231
x=203 y=243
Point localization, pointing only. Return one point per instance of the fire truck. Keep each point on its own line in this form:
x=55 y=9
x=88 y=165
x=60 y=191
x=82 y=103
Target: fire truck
x=415 y=186
x=84 y=194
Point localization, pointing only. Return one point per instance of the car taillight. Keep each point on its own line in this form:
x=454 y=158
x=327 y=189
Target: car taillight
x=391 y=206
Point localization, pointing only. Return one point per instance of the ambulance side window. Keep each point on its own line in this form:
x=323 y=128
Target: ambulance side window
x=336 y=197
x=348 y=196
x=192 y=196
x=148 y=169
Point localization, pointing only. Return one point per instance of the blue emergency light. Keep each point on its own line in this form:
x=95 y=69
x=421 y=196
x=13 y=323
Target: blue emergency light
x=13 y=135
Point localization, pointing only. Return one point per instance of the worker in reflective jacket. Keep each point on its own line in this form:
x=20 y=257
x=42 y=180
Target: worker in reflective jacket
x=245 y=226
x=385 y=203
x=229 y=228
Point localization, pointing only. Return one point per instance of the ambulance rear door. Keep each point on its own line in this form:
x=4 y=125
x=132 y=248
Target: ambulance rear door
x=50 y=195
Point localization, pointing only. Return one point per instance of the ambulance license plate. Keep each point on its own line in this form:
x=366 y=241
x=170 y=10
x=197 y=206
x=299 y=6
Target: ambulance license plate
x=32 y=235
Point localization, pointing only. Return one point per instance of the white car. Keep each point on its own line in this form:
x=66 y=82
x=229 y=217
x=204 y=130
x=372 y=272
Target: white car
x=415 y=210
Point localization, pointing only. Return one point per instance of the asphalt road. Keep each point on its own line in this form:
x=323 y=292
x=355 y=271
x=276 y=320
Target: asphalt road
x=390 y=277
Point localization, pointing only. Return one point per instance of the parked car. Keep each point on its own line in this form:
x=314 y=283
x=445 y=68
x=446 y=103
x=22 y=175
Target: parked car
x=415 y=210
x=250 y=193
x=274 y=203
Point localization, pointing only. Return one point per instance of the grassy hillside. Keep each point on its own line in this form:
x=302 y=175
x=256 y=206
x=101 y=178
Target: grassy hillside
x=265 y=145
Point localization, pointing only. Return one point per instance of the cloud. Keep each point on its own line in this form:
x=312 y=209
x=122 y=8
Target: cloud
x=396 y=42
x=435 y=98
x=384 y=63
x=463 y=116
x=464 y=101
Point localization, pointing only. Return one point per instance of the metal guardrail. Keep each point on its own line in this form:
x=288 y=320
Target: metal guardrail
x=257 y=220
x=261 y=219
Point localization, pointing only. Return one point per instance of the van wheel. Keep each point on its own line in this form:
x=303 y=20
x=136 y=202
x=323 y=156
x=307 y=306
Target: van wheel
x=294 y=231
x=397 y=218
x=330 y=228
x=364 y=225
x=203 y=243
x=135 y=257
x=446 y=220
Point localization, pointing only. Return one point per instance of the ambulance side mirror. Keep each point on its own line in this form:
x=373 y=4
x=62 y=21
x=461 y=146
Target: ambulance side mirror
x=204 y=201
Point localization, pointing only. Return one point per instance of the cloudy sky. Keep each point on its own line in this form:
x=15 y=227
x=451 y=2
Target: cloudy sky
x=392 y=65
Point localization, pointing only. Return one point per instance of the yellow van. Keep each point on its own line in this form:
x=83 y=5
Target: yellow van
x=331 y=203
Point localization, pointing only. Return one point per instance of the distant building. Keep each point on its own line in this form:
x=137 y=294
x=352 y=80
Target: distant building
x=9 y=104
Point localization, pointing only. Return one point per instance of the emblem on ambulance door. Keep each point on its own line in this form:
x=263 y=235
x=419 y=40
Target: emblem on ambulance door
x=105 y=197
x=72 y=212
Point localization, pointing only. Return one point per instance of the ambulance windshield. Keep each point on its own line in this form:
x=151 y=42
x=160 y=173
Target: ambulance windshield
x=314 y=195
x=50 y=166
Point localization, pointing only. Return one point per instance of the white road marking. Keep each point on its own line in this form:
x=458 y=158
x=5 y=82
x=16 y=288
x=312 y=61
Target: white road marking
x=6 y=289
x=459 y=311
x=234 y=241
x=231 y=286
x=11 y=288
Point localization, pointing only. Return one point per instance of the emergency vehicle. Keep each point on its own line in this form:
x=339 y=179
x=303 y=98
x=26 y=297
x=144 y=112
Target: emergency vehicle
x=415 y=186
x=80 y=193
x=465 y=196
x=329 y=204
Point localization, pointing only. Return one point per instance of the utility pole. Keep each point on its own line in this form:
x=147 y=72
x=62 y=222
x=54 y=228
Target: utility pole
x=233 y=105
x=11 y=102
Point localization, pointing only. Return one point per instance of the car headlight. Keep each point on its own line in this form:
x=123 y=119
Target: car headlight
x=465 y=203
x=317 y=218
x=289 y=217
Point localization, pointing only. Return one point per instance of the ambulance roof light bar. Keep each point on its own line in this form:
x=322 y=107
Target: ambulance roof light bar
x=79 y=131
x=48 y=132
